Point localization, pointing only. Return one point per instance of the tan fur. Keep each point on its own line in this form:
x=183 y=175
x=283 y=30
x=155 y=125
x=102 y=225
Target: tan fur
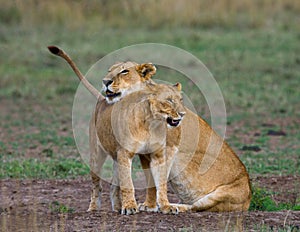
x=127 y=76
x=223 y=187
x=149 y=109
x=59 y=52
x=145 y=116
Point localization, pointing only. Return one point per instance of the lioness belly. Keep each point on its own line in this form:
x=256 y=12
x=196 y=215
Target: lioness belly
x=184 y=186
x=187 y=196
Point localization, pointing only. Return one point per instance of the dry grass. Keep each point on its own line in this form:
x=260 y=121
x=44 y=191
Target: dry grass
x=227 y=13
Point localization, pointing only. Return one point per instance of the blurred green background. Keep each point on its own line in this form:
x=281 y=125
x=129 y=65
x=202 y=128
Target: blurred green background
x=251 y=47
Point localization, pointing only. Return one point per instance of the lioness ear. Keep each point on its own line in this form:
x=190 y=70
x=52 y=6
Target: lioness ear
x=146 y=70
x=178 y=86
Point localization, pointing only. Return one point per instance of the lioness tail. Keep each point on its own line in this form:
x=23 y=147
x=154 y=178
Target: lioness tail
x=59 y=52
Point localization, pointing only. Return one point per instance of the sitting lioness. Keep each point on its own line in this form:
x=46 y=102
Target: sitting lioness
x=136 y=125
x=224 y=186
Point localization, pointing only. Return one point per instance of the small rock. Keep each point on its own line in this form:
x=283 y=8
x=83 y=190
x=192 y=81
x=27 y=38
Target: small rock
x=251 y=148
x=276 y=133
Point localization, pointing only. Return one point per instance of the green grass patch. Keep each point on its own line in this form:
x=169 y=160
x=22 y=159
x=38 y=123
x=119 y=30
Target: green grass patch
x=270 y=163
x=34 y=168
x=57 y=207
x=262 y=201
x=268 y=228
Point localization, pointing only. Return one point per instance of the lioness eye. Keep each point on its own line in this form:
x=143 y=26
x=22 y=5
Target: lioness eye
x=125 y=71
x=170 y=100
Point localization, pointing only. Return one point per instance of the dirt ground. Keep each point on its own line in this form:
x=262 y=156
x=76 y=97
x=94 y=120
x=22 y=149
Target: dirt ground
x=32 y=205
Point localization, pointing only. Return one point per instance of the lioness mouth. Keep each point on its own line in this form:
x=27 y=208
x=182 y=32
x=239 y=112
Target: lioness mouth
x=111 y=94
x=173 y=122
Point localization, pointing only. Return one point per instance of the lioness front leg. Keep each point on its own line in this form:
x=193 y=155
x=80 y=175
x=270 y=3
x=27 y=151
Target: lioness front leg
x=159 y=169
x=129 y=205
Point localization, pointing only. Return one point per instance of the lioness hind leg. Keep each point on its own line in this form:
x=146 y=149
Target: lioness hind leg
x=115 y=196
x=182 y=207
x=96 y=163
x=232 y=197
x=97 y=159
x=124 y=159
x=149 y=204
x=95 y=202
x=159 y=169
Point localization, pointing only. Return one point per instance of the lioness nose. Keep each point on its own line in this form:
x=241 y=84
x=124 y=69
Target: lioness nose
x=181 y=114
x=107 y=82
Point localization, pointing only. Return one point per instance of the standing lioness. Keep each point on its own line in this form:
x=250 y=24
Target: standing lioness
x=136 y=125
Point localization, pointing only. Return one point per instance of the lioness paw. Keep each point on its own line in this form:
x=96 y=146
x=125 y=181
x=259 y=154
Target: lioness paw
x=169 y=209
x=94 y=205
x=92 y=208
x=129 y=211
x=147 y=208
x=129 y=208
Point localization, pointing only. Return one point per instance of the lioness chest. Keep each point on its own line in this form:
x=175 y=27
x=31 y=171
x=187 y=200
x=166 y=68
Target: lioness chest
x=128 y=126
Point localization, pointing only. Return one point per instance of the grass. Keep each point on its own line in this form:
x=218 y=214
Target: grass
x=233 y=13
x=34 y=168
x=253 y=53
x=57 y=207
x=262 y=201
x=266 y=228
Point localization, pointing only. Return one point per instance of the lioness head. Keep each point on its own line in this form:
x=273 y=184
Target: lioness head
x=125 y=78
x=168 y=105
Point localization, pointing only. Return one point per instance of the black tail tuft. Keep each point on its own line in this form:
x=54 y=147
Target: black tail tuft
x=53 y=49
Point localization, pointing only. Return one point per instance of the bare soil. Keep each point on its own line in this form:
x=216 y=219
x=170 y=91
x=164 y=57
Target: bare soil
x=34 y=205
